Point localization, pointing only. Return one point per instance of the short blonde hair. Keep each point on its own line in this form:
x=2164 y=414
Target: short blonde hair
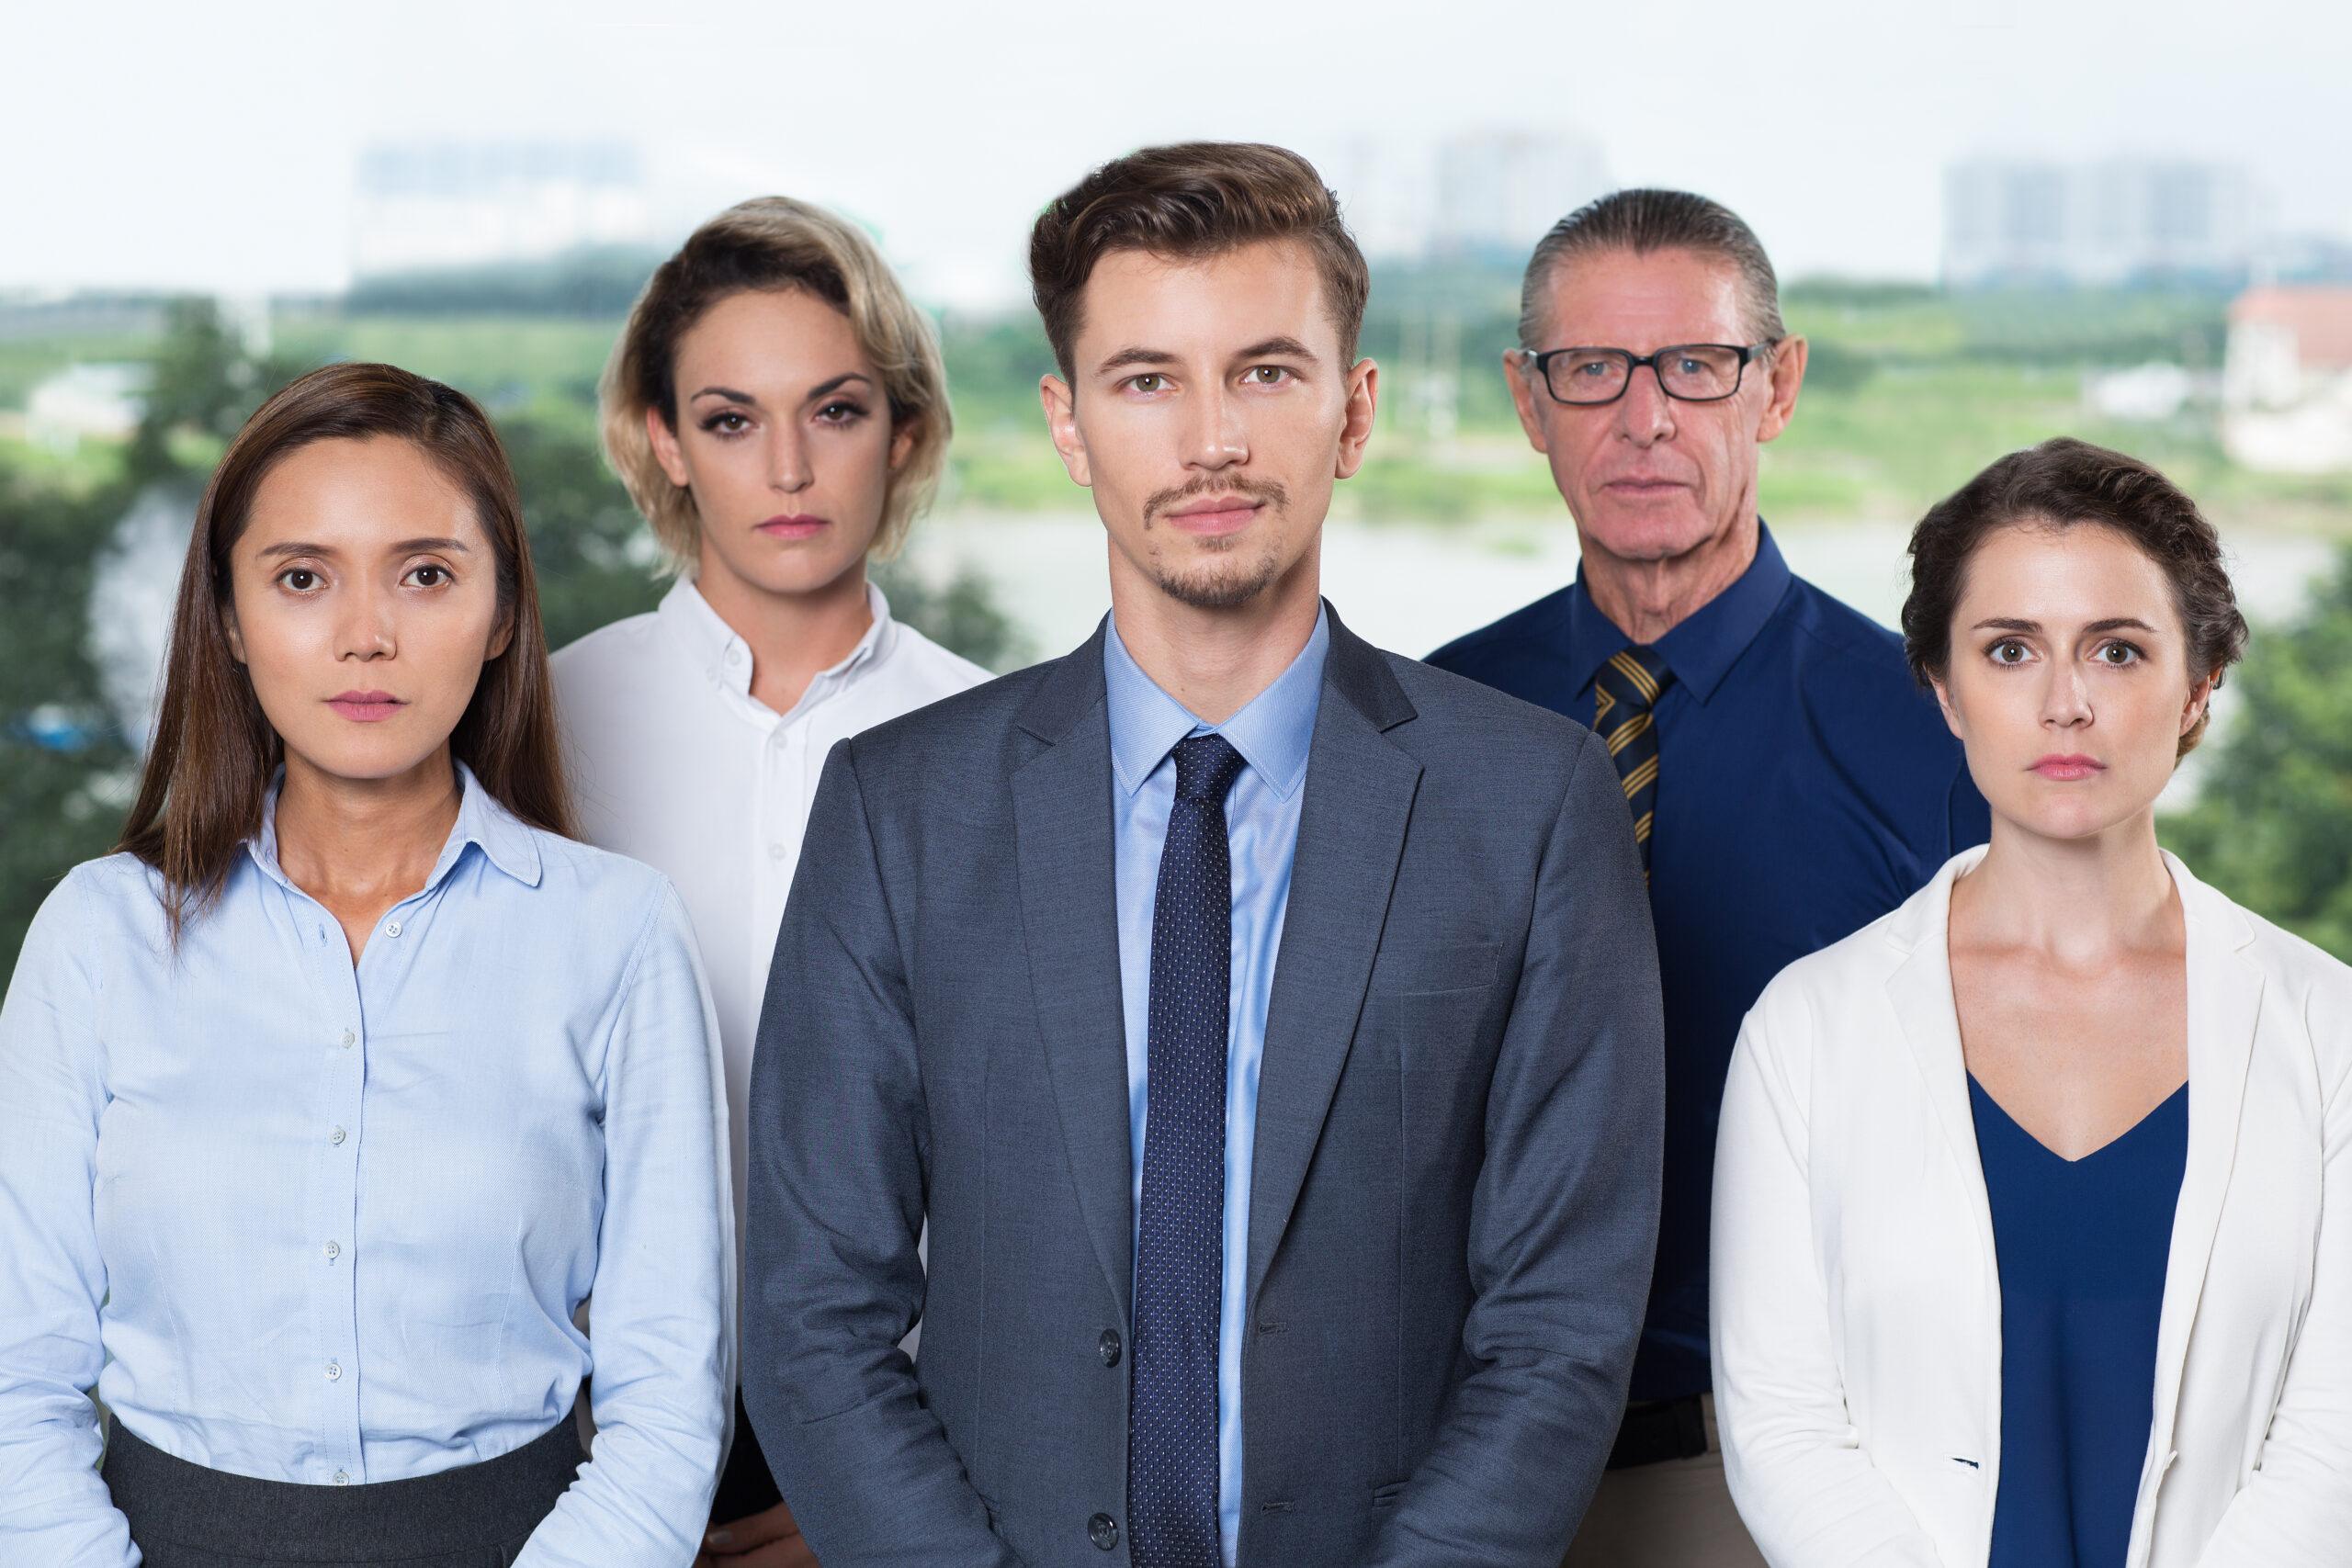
x=771 y=243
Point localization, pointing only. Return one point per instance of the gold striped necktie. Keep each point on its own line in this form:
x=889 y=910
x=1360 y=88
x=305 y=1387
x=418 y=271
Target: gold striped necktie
x=1625 y=695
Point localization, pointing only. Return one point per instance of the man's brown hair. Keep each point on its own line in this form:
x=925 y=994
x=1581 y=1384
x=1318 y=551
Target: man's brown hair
x=1188 y=200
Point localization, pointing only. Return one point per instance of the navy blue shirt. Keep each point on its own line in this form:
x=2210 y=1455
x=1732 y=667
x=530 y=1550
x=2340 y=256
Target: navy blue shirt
x=1806 y=786
x=2081 y=1246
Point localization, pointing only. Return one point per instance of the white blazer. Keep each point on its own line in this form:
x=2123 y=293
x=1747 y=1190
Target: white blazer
x=1857 y=1306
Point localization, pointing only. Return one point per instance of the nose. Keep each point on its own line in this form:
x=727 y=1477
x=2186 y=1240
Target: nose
x=2066 y=697
x=789 y=466
x=365 y=631
x=1217 y=438
x=1646 y=414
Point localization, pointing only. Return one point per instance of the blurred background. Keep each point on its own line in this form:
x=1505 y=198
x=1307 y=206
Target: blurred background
x=1996 y=222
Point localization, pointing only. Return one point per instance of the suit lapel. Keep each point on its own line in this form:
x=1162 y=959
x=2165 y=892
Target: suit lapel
x=2224 y=1000
x=1360 y=790
x=1070 y=925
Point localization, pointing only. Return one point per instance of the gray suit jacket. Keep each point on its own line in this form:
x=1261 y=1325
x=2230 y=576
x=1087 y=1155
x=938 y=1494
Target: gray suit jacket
x=1457 y=1158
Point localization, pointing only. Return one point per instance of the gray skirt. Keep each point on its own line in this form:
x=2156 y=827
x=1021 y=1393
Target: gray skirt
x=184 y=1515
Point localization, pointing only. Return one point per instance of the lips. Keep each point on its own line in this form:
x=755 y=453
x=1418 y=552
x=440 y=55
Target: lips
x=366 y=707
x=795 y=526
x=2068 y=768
x=1216 y=515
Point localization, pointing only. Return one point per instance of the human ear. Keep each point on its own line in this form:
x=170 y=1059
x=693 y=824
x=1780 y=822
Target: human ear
x=2200 y=697
x=1787 y=378
x=1061 y=420
x=1363 y=398
x=1942 y=689
x=665 y=447
x=1521 y=379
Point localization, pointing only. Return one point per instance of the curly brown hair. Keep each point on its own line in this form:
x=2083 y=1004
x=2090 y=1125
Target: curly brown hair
x=2061 y=484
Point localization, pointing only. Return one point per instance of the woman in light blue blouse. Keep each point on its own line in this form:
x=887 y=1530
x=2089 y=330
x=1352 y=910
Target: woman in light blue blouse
x=327 y=1104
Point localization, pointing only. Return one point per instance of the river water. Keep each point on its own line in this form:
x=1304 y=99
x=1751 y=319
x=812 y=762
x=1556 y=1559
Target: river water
x=1411 y=587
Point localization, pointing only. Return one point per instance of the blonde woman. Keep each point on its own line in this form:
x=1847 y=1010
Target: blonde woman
x=777 y=408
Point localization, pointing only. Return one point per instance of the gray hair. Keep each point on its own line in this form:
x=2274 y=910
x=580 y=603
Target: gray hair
x=1646 y=220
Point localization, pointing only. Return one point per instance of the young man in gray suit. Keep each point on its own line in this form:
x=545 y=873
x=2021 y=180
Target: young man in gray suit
x=1267 y=1026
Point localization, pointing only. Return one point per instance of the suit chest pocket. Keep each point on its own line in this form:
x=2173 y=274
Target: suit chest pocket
x=1427 y=1008
x=1424 y=968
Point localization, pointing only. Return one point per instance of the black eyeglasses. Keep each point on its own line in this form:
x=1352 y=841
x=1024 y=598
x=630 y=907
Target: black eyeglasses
x=1691 y=372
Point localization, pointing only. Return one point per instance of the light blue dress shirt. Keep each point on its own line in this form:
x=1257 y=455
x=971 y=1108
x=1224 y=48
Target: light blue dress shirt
x=1273 y=733
x=317 y=1223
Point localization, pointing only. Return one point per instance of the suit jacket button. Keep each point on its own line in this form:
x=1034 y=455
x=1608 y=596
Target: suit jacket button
x=1109 y=1346
x=1104 y=1531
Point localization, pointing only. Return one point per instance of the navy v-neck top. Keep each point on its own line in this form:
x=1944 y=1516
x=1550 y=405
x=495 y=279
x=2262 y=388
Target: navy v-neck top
x=2081 y=1247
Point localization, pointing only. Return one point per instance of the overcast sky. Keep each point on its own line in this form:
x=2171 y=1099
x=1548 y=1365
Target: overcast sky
x=211 y=146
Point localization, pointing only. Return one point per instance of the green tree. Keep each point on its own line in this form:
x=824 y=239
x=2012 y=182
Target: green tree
x=587 y=553
x=2272 y=823
x=205 y=385
x=62 y=760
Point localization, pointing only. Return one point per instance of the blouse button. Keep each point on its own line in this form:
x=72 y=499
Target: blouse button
x=349 y=1039
x=336 y=1137
x=775 y=851
x=335 y=1250
x=391 y=928
x=343 y=1478
x=334 y=1371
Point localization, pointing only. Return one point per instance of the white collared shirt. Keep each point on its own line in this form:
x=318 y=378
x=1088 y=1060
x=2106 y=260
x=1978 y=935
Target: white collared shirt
x=675 y=763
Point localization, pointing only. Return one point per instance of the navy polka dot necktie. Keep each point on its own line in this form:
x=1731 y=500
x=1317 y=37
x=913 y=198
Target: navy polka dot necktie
x=1180 y=1241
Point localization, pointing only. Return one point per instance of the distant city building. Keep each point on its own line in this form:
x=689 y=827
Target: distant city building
x=31 y=314
x=2118 y=220
x=2287 y=379
x=1481 y=193
x=443 y=204
x=2144 y=394
x=1501 y=190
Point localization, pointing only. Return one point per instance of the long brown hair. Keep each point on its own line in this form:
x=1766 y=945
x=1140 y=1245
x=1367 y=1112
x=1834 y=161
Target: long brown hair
x=207 y=773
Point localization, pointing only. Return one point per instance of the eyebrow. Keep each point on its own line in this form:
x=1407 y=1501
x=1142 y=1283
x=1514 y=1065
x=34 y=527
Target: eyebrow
x=406 y=547
x=2112 y=624
x=1280 y=346
x=836 y=384
x=1128 y=356
x=819 y=391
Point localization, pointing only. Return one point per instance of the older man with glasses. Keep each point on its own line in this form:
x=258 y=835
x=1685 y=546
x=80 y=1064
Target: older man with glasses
x=1787 y=781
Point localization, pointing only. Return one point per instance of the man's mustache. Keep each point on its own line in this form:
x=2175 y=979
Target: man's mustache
x=1268 y=493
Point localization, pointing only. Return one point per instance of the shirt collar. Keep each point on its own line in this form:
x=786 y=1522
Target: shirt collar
x=1273 y=731
x=1703 y=648
x=504 y=840
x=726 y=659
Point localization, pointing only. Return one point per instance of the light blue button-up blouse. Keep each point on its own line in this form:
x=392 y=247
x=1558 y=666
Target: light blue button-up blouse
x=310 y=1221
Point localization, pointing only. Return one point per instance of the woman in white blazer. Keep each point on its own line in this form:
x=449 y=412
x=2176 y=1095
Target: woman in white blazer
x=1983 y=1294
